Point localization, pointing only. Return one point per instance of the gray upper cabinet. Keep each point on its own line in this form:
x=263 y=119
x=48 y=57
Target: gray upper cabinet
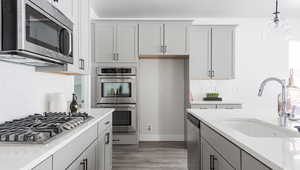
x=151 y=39
x=250 y=163
x=200 y=52
x=115 y=42
x=175 y=36
x=222 y=56
x=104 y=42
x=45 y=165
x=212 y=52
x=127 y=42
x=163 y=38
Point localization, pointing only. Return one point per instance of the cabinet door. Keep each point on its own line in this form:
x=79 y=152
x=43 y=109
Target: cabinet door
x=104 y=42
x=175 y=36
x=104 y=150
x=151 y=39
x=108 y=149
x=200 y=53
x=101 y=152
x=223 y=47
x=84 y=36
x=90 y=157
x=213 y=160
x=250 y=163
x=45 y=165
x=127 y=42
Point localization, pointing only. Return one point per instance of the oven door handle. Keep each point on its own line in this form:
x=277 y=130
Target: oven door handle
x=118 y=106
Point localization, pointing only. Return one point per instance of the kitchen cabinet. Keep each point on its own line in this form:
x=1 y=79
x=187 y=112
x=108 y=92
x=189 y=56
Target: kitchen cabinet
x=45 y=165
x=163 y=39
x=115 y=42
x=212 y=160
x=222 y=146
x=212 y=52
x=104 y=151
x=250 y=163
x=86 y=161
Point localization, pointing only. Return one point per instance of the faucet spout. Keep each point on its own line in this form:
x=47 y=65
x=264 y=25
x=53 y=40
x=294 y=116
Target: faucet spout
x=283 y=111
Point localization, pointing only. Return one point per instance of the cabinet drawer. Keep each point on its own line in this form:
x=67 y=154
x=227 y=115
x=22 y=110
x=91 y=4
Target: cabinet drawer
x=64 y=157
x=222 y=146
x=229 y=106
x=105 y=123
x=45 y=165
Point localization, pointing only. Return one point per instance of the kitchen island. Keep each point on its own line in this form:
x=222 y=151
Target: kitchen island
x=63 y=151
x=237 y=139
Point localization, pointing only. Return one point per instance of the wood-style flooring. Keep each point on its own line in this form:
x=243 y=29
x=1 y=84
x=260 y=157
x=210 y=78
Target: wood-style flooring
x=150 y=156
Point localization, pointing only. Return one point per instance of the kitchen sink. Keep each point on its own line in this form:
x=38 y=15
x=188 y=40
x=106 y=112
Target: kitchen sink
x=260 y=129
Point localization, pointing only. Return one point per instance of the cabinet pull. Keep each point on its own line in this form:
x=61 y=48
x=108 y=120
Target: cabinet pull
x=107 y=138
x=213 y=73
x=84 y=164
x=117 y=56
x=165 y=49
x=162 y=48
x=55 y=0
x=209 y=73
x=106 y=123
x=81 y=63
x=212 y=160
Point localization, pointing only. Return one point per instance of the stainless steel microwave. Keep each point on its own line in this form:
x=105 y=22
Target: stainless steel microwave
x=34 y=32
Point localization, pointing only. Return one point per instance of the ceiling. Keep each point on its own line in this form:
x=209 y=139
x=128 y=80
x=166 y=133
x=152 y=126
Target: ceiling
x=193 y=8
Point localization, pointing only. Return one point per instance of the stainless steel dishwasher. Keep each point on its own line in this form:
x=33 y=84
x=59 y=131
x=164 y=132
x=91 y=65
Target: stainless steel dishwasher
x=193 y=142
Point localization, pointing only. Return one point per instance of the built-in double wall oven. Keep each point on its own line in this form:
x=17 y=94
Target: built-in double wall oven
x=116 y=88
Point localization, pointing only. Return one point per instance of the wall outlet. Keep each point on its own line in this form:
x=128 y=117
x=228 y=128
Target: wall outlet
x=149 y=128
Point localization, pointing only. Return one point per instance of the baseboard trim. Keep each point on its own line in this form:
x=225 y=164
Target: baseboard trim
x=161 y=137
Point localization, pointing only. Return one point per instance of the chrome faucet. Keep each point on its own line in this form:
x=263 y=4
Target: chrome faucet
x=283 y=114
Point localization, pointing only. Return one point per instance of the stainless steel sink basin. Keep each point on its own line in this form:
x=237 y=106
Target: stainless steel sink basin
x=259 y=129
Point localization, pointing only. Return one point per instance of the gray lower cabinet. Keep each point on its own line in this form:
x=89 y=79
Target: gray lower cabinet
x=45 y=165
x=218 y=153
x=212 y=160
x=86 y=161
x=250 y=163
x=104 y=150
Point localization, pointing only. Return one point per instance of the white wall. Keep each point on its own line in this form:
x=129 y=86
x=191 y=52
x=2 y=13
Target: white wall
x=258 y=57
x=161 y=99
x=24 y=91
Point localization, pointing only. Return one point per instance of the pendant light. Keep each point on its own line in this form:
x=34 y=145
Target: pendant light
x=278 y=27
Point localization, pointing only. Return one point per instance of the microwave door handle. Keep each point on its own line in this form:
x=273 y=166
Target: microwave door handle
x=70 y=42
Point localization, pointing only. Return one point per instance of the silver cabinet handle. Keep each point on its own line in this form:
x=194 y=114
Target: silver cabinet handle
x=117 y=56
x=81 y=64
x=209 y=73
x=165 y=48
x=107 y=138
x=162 y=48
x=114 y=56
x=106 y=123
x=213 y=73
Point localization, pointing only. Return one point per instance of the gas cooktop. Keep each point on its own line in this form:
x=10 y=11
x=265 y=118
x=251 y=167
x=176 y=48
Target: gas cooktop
x=40 y=128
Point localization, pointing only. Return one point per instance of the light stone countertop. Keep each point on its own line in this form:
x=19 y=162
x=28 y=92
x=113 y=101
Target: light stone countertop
x=279 y=153
x=27 y=156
